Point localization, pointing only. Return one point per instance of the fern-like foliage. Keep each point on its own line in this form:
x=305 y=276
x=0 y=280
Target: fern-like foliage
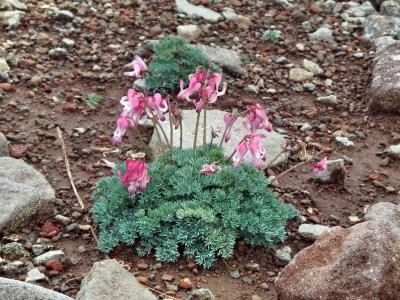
x=173 y=60
x=183 y=211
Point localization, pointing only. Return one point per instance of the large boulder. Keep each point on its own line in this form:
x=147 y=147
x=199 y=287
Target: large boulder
x=3 y=145
x=361 y=262
x=385 y=86
x=273 y=143
x=24 y=194
x=107 y=280
x=18 y=290
x=377 y=26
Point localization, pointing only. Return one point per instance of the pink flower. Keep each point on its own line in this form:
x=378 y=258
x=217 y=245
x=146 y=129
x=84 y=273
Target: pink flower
x=138 y=67
x=135 y=176
x=320 y=166
x=253 y=144
x=193 y=87
x=210 y=169
x=257 y=119
x=158 y=105
x=229 y=120
x=212 y=90
x=122 y=125
x=133 y=105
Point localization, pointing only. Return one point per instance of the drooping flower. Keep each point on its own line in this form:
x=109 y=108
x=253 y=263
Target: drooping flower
x=133 y=105
x=135 y=177
x=122 y=125
x=205 y=86
x=320 y=166
x=229 y=120
x=138 y=66
x=157 y=104
x=210 y=169
x=257 y=118
x=251 y=143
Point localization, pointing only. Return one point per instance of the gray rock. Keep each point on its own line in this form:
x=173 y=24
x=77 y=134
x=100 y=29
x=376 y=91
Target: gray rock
x=3 y=145
x=68 y=42
x=58 y=53
x=335 y=172
x=344 y=140
x=235 y=274
x=309 y=87
x=54 y=254
x=384 y=211
x=35 y=275
x=385 y=86
x=251 y=88
x=13 y=249
x=38 y=249
x=390 y=8
x=140 y=85
x=4 y=69
x=229 y=60
x=273 y=142
x=312 y=67
x=24 y=194
x=382 y=42
x=394 y=151
x=312 y=231
x=11 y=18
x=13 y=268
x=201 y=294
x=299 y=74
x=107 y=279
x=18 y=290
x=64 y=15
x=363 y=10
x=198 y=11
x=328 y=100
x=189 y=32
x=322 y=34
x=284 y=254
x=377 y=26
x=359 y=262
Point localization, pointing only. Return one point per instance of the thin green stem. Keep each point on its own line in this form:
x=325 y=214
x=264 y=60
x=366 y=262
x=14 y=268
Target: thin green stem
x=181 y=134
x=163 y=133
x=205 y=126
x=196 y=131
x=223 y=136
x=158 y=134
x=171 y=129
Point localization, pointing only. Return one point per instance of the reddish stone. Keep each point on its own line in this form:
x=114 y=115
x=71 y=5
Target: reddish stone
x=54 y=264
x=6 y=87
x=143 y=280
x=167 y=277
x=49 y=230
x=18 y=151
x=186 y=284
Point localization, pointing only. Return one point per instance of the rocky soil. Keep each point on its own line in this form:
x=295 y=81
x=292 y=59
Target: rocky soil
x=324 y=70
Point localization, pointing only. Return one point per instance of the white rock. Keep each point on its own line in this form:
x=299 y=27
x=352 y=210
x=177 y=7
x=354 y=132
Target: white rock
x=11 y=18
x=54 y=254
x=329 y=100
x=322 y=34
x=273 y=142
x=190 y=32
x=68 y=42
x=312 y=67
x=284 y=254
x=12 y=4
x=334 y=172
x=345 y=141
x=3 y=145
x=35 y=275
x=299 y=74
x=394 y=151
x=198 y=11
x=312 y=231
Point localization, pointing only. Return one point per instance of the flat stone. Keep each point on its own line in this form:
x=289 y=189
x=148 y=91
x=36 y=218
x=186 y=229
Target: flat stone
x=360 y=262
x=35 y=275
x=322 y=34
x=344 y=140
x=24 y=194
x=189 y=32
x=273 y=142
x=198 y=11
x=312 y=231
x=64 y=15
x=299 y=74
x=19 y=290
x=385 y=86
x=58 y=53
x=334 y=172
x=3 y=146
x=312 y=67
x=284 y=254
x=107 y=280
x=54 y=254
x=328 y=100
x=11 y=18
x=201 y=294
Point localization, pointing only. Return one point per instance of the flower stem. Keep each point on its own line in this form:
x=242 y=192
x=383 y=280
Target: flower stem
x=205 y=126
x=196 y=131
x=171 y=129
x=181 y=134
x=288 y=170
x=164 y=134
x=274 y=159
x=158 y=134
x=223 y=136
x=234 y=151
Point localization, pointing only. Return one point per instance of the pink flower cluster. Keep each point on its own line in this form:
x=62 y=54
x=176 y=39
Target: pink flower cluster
x=135 y=178
x=203 y=88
